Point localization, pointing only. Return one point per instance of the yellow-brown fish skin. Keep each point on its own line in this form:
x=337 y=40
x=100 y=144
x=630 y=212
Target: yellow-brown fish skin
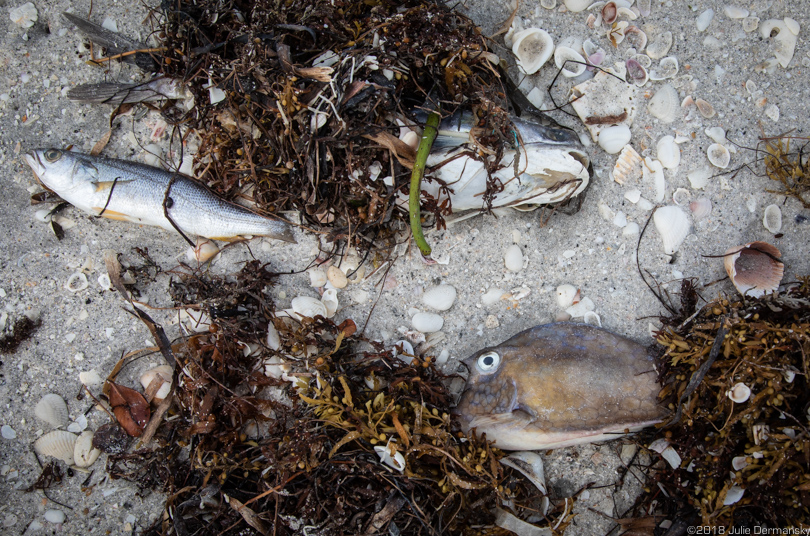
x=558 y=385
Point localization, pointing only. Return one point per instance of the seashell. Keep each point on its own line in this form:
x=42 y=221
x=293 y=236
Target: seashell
x=580 y=308
x=772 y=219
x=631 y=229
x=196 y=321
x=628 y=165
x=667 y=68
x=404 y=350
x=660 y=45
x=609 y=12
x=612 y=139
x=273 y=337
x=733 y=495
x=492 y=296
x=84 y=454
x=336 y=276
x=626 y=12
x=664 y=104
x=317 y=277
x=276 y=367
x=635 y=37
x=530 y=464
x=750 y=24
x=681 y=196
x=162 y=376
x=537 y=98
x=57 y=444
x=739 y=393
x=54 y=516
x=440 y=298
x=636 y=73
x=513 y=258
x=644 y=7
x=718 y=155
x=76 y=282
x=666 y=451
x=705 y=109
x=653 y=172
x=701 y=208
x=704 y=19
x=566 y=295
x=592 y=319
x=616 y=33
x=633 y=195
x=571 y=62
x=772 y=111
x=783 y=36
x=305 y=306
x=699 y=178
x=24 y=16
x=668 y=152
x=735 y=12
x=672 y=224
x=427 y=322
x=203 y=251
x=754 y=269
x=52 y=409
x=792 y=25
x=395 y=461
x=739 y=462
x=575 y=6
x=548 y=4
x=532 y=47
x=589 y=47
x=716 y=134
x=330 y=301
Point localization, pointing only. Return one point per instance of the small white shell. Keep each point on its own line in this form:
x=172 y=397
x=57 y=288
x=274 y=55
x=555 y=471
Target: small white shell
x=739 y=462
x=660 y=45
x=273 y=336
x=739 y=393
x=317 y=277
x=699 y=178
x=705 y=109
x=397 y=461
x=24 y=16
x=513 y=258
x=579 y=309
x=575 y=6
x=716 y=134
x=336 y=276
x=718 y=155
x=644 y=7
x=613 y=138
x=666 y=451
x=733 y=495
x=735 y=12
x=667 y=68
x=672 y=224
x=566 y=294
x=754 y=269
x=569 y=61
x=76 y=282
x=196 y=321
x=330 y=301
x=665 y=104
x=492 y=296
x=84 y=455
x=532 y=48
x=440 y=298
x=54 y=516
x=681 y=196
x=668 y=152
x=635 y=37
x=308 y=306
x=52 y=409
x=163 y=374
x=704 y=19
x=701 y=208
x=57 y=444
x=203 y=251
x=772 y=219
x=653 y=172
x=427 y=322
x=785 y=39
x=750 y=24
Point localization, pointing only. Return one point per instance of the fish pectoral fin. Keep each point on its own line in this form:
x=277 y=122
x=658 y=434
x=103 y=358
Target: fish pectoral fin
x=108 y=185
x=513 y=420
x=113 y=215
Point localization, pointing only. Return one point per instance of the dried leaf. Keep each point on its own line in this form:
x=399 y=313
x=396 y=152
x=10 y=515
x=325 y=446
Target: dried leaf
x=101 y=144
x=130 y=408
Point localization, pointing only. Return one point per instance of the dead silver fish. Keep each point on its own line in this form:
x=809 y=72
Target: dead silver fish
x=558 y=385
x=129 y=191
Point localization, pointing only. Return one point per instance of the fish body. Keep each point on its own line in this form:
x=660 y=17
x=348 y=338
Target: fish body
x=552 y=165
x=129 y=191
x=558 y=385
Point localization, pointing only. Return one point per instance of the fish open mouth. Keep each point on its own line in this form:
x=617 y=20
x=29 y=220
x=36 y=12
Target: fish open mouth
x=33 y=161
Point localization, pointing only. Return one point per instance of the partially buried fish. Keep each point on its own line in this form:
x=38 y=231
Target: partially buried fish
x=558 y=385
x=129 y=191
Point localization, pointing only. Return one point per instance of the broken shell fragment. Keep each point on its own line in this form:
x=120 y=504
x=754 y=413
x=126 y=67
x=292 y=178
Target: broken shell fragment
x=84 y=454
x=705 y=109
x=755 y=269
x=660 y=45
x=52 y=409
x=330 y=301
x=308 y=306
x=672 y=225
x=664 y=104
x=569 y=61
x=772 y=219
x=532 y=48
x=57 y=444
x=704 y=19
x=668 y=152
x=701 y=208
x=566 y=295
x=784 y=38
x=628 y=165
x=718 y=155
x=739 y=393
x=667 y=68
x=635 y=37
x=162 y=375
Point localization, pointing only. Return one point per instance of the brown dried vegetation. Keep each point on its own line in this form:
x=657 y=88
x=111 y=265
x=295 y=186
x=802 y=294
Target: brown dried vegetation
x=791 y=169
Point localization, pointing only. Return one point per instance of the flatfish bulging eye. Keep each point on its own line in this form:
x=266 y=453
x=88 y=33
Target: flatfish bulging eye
x=52 y=155
x=488 y=362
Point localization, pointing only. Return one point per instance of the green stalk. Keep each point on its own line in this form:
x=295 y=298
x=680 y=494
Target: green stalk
x=425 y=144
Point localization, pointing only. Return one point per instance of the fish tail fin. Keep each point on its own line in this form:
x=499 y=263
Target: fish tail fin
x=281 y=230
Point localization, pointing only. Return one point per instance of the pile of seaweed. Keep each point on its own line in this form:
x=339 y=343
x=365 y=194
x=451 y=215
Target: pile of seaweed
x=313 y=97
x=740 y=463
x=275 y=424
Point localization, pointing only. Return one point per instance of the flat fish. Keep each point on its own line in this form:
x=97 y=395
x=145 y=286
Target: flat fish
x=558 y=385
x=129 y=191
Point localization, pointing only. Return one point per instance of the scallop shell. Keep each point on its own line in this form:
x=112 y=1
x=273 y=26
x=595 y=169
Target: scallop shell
x=635 y=37
x=57 y=444
x=667 y=68
x=672 y=224
x=665 y=104
x=609 y=12
x=84 y=455
x=739 y=393
x=440 y=298
x=571 y=62
x=718 y=155
x=660 y=45
x=532 y=48
x=701 y=208
x=52 y=409
x=636 y=73
x=755 y=268
x=612 y=139
x=772 y=219
x=309 y=307
x=668 y=152
x=705 y=109
x=330 y=301
x=427 y=322
x=628 y=165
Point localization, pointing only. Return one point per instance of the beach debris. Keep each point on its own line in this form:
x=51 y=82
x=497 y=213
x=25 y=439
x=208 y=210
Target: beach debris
x=130 y=408
x=604 y=101
x=672 y=225
x=788 y=168
x=755 y=268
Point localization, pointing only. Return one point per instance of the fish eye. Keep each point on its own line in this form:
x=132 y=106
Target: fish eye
x=52 y=155
x=488 y=362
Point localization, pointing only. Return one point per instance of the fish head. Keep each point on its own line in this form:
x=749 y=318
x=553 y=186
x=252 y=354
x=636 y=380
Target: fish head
x=558 y=385
x=54 y=168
